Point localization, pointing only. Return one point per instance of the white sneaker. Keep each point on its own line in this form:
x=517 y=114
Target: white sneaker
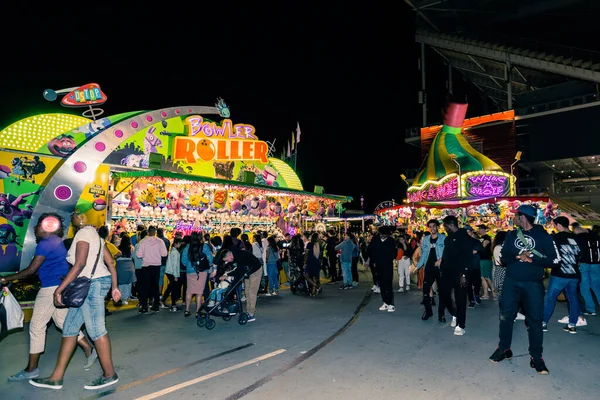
x=458 y=331
x=374 y=288
x=580 y=321
x=520 y=317
x=407 y=288
x=391 y=308
x=453 y=323
x=377 y=290
x=384 y=307
x=400 y=290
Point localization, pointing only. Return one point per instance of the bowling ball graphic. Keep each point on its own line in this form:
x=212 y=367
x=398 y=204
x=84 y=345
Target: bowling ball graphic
x=99 y=204
x=206 y=150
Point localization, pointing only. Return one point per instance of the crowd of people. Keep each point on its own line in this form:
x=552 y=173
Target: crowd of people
x=463 y=267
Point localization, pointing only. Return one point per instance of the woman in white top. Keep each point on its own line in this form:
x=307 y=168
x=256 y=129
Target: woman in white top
x=86 y=251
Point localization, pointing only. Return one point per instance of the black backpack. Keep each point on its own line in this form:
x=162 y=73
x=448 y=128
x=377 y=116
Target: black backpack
x=200 y=265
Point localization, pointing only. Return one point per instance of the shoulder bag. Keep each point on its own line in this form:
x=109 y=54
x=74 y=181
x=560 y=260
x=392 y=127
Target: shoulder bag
x=77 y=291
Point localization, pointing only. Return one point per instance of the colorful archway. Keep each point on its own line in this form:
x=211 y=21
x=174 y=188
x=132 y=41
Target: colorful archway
x=66 y=186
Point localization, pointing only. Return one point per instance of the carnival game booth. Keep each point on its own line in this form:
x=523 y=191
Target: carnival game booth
x=458 y=180
x=141 y=165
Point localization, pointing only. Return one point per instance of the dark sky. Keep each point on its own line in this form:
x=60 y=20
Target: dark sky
x=348 y=75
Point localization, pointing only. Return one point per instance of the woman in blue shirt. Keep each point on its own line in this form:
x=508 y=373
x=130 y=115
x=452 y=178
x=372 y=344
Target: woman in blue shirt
x=50 y=264
x=192 y=258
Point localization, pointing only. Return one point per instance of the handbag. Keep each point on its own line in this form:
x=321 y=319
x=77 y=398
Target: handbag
x=77 y=291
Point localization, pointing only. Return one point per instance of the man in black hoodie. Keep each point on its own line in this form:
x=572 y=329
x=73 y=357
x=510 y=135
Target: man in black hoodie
x=383 y=252
x=454 y=269
x=527 y=250
x=565 y=275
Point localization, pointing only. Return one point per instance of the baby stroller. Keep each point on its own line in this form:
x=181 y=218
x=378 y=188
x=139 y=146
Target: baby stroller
x=230 y=304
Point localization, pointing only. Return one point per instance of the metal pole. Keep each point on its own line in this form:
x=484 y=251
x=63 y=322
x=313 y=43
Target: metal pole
x=423 y=87
x=507 y=75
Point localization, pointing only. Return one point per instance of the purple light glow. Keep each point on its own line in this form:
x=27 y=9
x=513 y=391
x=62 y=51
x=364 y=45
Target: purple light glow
x=486 y=185
x=432 y=192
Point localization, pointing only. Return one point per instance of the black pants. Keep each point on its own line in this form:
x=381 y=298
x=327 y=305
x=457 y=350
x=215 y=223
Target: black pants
x=183 y=279
x=333 y=273
x=386 y=276
x=355 y=269
x=531 y=293
x=374 y=273
x=474 y=286
x=135 y=290
x=149 y=286
x=432 y=275
x=449 y=281
x=174 y=289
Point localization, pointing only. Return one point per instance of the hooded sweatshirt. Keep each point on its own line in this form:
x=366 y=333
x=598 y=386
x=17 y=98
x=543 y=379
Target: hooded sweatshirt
x=569 y=251
x=538 y=239
x=347 y=246
x=458 y=253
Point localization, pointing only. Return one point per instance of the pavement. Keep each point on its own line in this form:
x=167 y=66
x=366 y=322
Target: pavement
x=337 y=346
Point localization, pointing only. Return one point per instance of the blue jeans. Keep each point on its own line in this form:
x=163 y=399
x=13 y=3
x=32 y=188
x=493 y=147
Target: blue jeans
x=555 y=286
x=590 y=281
x=286 y=269
x=91 y=313
x=347 y=273
x=273 y=275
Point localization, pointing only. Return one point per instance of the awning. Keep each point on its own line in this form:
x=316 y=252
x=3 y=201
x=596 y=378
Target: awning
x=585 y=216
x=476 y=202
x=232 y=184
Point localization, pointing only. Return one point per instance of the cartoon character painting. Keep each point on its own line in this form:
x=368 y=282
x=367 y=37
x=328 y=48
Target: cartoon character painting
x=224 y=170
x=10 y=208
x=92 y=128
x=24 y=169
x=62 y=145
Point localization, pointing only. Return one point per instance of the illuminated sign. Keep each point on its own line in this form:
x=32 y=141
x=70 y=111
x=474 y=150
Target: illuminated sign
x=486 y=185
x=207 y=141
x=445 y=189
x=85 y=95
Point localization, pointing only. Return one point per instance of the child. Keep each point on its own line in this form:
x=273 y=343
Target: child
x=225 y=280
x=173 y=273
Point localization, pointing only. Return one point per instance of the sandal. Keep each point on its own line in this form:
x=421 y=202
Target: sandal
x=187 y=313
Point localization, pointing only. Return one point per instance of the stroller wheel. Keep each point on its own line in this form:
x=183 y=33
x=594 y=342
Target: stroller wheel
x=210 y=324
x=201 y=321
x=227 y=317
x=243 y=319
x=293 y=289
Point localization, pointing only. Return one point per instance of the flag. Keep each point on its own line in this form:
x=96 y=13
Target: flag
x=298 y=132
x=293 y=141
x=289 y=153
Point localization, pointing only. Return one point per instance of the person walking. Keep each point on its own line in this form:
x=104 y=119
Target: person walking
x=454 y=270
x=50 y=264
x=346 y=248
x=383 y=253
x=432 y=248
x=527 y=250
x=86 y=254
x=151 y=250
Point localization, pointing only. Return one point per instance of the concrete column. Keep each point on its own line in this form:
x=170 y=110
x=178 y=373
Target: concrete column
x=507 y=76
x=423 y=87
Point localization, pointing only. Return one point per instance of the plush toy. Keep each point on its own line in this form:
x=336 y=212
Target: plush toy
x=331 y=210
x=549 y=212
x=134 y=205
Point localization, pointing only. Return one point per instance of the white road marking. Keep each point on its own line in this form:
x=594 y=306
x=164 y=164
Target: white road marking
x=208 y=376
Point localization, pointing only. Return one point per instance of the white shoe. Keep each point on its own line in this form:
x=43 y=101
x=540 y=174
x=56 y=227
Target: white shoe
x=458 y=331
x=453 y=323
x=391 y=308
x=407 y=288
x=384 y=307
x=400 y=290
x=377 y=290
x=374 y=288
x=580 y=321
x=520 y=317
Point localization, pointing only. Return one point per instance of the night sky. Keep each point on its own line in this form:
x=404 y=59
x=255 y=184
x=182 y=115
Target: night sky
x=348 y=75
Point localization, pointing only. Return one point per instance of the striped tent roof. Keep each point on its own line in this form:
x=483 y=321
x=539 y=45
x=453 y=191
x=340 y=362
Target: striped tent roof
x=450 y=142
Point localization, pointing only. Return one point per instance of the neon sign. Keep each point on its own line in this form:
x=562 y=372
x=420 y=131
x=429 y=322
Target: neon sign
x=447 y=189
x=208 y=141
x=486 y=185
x=85 y=95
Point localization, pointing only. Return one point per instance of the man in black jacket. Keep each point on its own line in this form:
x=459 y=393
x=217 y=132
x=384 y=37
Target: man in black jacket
x=589 y=266
x=332 y=255
x=454 y=268
x=383 y=253
x=527 y=250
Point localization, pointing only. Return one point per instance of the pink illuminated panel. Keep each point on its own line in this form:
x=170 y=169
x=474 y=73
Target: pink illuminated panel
x=433 y=192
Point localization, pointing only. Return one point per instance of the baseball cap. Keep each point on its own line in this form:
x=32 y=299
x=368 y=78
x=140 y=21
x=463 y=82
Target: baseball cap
x=528 y=210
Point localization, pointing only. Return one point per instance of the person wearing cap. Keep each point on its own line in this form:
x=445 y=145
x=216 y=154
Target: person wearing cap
x=527 y=250
x=383 y=253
